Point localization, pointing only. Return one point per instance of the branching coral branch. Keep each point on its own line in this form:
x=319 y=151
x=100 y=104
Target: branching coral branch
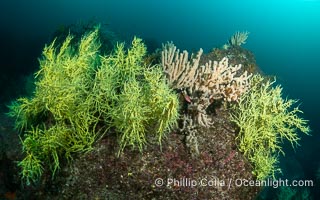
x=266 y=119
x=180 y=72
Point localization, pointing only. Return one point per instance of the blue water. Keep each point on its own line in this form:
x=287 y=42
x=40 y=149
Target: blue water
x=284 y=36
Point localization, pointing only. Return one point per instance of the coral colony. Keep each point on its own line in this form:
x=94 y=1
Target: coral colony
x=81 y=95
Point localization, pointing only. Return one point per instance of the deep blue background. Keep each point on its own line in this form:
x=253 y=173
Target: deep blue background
x=284 y=36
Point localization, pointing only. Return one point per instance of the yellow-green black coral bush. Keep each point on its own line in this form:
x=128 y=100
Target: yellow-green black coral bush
x=78 y=90
x=266 y=119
